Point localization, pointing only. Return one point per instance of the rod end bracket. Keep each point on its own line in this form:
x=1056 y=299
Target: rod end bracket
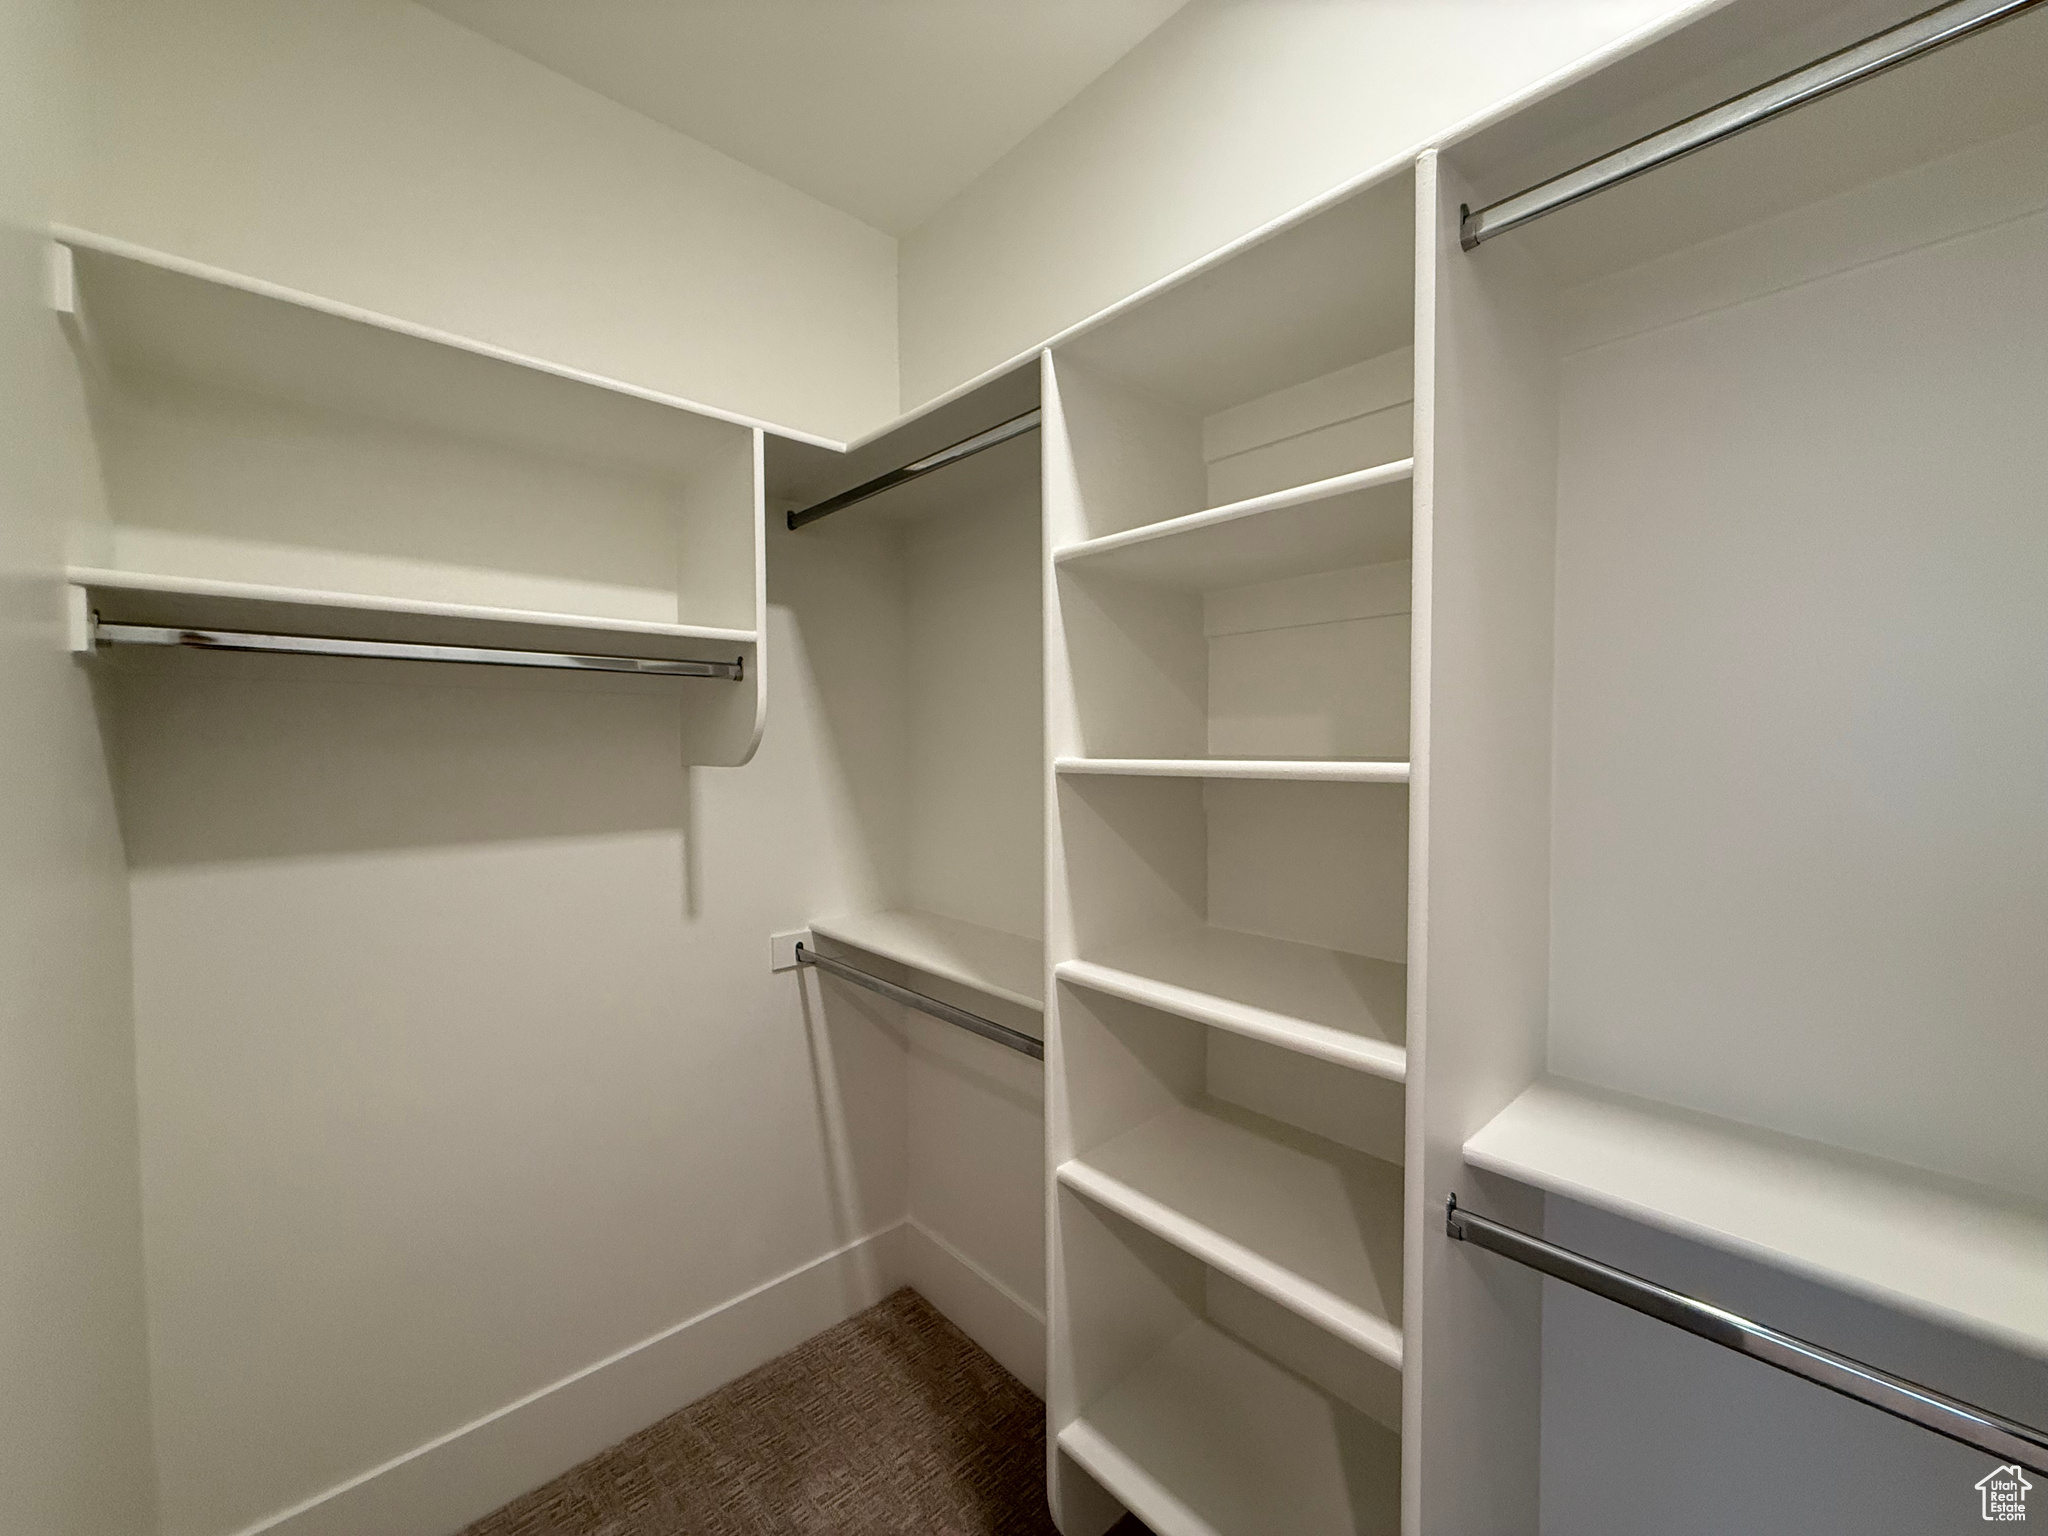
x=1468 y=237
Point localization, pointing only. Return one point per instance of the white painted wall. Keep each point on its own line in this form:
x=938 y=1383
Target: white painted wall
x=462 y=1066
x=1230 y=115
x=74 y=1407
x=375 y=152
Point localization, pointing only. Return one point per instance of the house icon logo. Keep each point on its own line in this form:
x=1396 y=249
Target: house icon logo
x=2005 y=1494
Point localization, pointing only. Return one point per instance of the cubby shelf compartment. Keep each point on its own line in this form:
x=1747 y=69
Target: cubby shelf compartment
x=1323 y=770
x=1341 y=1047
x=1313 y=1226
x=195 y=602
x=1960 y=1254
x=1000 y=965
x=1209 y=1438
x=278 y=460
x=1344 y=1008
x=1361 y=518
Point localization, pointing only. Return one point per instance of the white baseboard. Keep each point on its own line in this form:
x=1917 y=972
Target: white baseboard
x=447 y=1483
x=978 y=1304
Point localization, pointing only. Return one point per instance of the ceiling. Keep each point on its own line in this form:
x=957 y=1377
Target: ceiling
x=882 y=108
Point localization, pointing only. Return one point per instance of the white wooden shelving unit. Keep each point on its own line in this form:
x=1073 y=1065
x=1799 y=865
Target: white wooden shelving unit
x=278 y=462
x=1229 y=528
x=1695 y=875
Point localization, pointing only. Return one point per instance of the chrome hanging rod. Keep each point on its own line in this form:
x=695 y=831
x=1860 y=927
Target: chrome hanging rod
x=988 y=1029
x=393 y=650
x=966 y=448
x=1972 y=1426
x=1909 y=40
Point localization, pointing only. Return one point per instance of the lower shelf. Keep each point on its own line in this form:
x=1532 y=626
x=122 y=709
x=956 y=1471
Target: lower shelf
x=1314 y=1226
x=1960 y=1254
x=1210 y=1438
x=998 y=964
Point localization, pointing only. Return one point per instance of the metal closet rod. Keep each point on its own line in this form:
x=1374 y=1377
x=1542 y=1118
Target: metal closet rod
x=953 y=453
x=1859 y=61
x=2001 y=1437
x=974 y=1023
x=394 y=650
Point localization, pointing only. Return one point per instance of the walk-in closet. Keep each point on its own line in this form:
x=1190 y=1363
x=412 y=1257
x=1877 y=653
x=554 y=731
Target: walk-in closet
x=1108 y=768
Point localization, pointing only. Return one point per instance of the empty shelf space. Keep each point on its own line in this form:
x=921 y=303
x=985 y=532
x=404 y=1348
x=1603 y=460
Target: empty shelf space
x=193 y=602
x=1310 y=664
x=1345 y=1008
x=1361 y=518
x=1961 y=1254
x=1001 y=965
x=1325 y=770
x=1309 y=1224
x=1209 y=1438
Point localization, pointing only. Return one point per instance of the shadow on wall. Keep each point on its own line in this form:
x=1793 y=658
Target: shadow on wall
x=847 y=1033
x=227 y=758
x=222 y=759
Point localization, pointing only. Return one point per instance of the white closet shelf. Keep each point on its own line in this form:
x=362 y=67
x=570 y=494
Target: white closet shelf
x=193 y=602
x=1342 y=1008
x=155 y=312
x=998 y=964
x=1209 y=1438
x=1361 y=518
x=1315 y=770
x=1312 y=1225
x=1960 y=1254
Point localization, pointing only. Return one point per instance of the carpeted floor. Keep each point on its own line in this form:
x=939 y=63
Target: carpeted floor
x=891 y=1422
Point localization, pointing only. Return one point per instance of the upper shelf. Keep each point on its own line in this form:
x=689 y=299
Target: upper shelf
x=149 y=312
x=1322 y=293
x=997 y=964
x=1960 y=1254
x=1361 y=518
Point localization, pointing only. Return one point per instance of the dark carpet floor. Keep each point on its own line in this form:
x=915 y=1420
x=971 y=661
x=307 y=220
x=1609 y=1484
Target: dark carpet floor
x=892 y=1422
